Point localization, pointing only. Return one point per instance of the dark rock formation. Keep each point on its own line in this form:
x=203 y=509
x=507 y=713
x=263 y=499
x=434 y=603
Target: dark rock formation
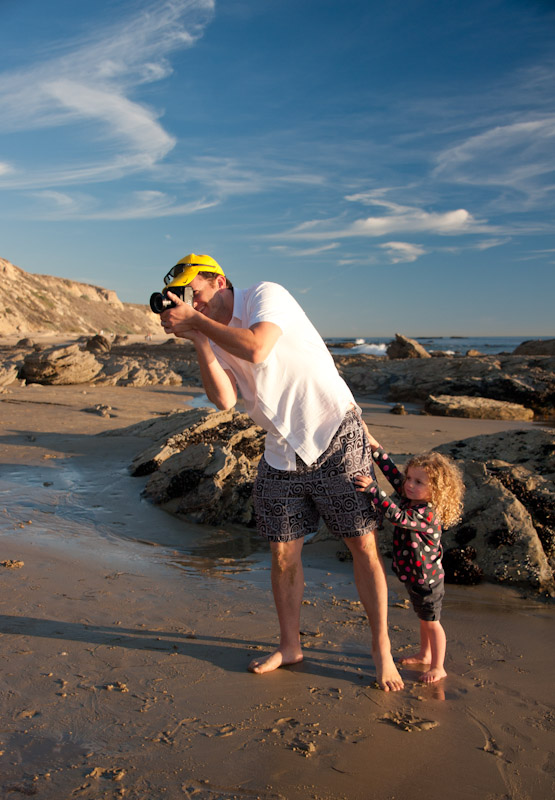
x=536 y=347
x=403 y=347
x=98 y=344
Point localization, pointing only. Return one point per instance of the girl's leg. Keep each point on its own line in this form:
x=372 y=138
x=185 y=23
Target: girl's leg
x=424 y=655
x=437 y=642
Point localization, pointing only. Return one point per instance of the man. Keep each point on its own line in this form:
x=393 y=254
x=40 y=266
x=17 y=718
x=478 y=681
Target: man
x=259 y=342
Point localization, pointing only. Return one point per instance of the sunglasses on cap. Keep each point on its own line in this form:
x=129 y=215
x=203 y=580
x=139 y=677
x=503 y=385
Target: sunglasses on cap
x=188 y=272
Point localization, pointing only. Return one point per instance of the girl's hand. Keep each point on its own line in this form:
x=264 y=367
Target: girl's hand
x=362 y=481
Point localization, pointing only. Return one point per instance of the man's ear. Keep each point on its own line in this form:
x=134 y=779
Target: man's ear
x=221 y=281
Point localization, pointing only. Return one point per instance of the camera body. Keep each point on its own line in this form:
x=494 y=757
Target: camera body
x=159 y=301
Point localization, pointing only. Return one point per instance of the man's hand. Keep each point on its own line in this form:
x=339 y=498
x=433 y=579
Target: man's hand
x=179 y=320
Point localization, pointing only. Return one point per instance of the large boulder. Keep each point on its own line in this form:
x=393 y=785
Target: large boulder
x=536 y=347
x=509 y=510
x=403 y=347
x=203 y=466
x=60 y=366
x=445 y=405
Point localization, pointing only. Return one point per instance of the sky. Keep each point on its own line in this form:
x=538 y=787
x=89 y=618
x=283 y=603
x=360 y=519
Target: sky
x=391 y=164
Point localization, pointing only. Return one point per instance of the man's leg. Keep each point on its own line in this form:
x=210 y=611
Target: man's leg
x=372 y=589
x=287 y=586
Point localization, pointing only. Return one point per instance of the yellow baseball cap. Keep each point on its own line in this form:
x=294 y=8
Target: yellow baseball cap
x=189 y=267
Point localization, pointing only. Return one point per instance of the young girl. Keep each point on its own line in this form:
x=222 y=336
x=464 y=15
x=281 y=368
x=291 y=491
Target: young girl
x=431 y=497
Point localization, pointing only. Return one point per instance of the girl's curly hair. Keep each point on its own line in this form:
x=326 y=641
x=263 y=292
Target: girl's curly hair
x=447 y=487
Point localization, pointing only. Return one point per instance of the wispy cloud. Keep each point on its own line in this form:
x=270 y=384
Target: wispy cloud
x=92 y=83
x=517 y=157
x=308 y=251
x=137 y=205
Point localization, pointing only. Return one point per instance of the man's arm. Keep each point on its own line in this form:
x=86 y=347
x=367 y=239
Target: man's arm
x=252 y=344
x=219 y=383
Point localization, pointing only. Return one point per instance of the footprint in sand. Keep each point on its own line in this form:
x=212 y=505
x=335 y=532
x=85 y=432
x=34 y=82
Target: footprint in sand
x=408 y=722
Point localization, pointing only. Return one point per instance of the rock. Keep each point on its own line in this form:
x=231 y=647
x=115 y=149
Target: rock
x=8 y=373
x=403 y=347
x=475 y=408
x=25 y=342
x=98 y=344
x=60 y=366
x=398 y=408
x=204 y=470
x=536 y=347
x=509 y=509
x=473 y=353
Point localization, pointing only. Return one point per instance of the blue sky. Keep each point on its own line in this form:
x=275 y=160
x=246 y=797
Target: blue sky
x=391 y=164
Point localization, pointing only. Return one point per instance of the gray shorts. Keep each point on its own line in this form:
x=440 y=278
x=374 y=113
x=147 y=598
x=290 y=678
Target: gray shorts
x=427 y=601
x=288 y=504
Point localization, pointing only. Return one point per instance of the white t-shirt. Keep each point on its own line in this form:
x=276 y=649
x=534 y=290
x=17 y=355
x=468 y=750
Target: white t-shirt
x=296 y=394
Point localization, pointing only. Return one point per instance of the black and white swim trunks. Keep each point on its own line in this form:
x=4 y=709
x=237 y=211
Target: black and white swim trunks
x=288 y=504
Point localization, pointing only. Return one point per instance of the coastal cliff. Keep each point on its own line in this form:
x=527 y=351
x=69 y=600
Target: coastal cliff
x=32 y=303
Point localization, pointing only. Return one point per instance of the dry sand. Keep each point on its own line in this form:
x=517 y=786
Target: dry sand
x=125 y=634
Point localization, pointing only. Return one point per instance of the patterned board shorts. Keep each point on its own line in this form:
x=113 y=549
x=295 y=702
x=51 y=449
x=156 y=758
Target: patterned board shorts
x=288 y=504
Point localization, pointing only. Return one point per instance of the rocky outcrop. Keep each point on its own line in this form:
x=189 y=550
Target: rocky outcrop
x=445 y=405
x=203 y=466
x=536 y=347
x=526 y=380
x=30 y=303
x=403 y=347
x=60 y=366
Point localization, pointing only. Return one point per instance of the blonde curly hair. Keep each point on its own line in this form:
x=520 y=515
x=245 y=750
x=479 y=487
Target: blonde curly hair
x=447 y=487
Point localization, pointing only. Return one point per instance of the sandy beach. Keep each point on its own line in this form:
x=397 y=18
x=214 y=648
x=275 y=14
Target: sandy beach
x=125 y=635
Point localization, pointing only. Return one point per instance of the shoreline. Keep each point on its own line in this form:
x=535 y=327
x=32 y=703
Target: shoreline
x=124 y=640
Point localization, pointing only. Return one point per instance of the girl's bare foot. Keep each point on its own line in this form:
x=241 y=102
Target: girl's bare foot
x=433 y=675
x=419 y=658
x=279 y=658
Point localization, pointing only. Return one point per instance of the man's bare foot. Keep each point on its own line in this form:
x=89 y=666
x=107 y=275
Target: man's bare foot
x=419 y=658
x=433 y=675
x=279 y=658
x=387 y=674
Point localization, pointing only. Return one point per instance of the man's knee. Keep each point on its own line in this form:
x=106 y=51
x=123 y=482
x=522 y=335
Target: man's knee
x=365 y=547
x=286 y=556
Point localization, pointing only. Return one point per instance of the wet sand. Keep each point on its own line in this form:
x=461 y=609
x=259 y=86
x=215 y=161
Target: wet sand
x=125 y=635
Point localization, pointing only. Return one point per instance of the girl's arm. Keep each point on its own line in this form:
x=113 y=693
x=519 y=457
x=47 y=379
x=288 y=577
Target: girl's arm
x=387 y=466
x=420 y=518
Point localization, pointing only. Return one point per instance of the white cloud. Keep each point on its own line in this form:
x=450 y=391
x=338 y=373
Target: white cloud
x=403 y=251
x=395 y=219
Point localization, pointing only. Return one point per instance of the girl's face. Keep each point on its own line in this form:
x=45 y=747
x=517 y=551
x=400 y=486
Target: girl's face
x=417 y=484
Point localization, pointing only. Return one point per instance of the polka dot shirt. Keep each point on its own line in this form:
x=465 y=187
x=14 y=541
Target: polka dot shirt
x=417 y=547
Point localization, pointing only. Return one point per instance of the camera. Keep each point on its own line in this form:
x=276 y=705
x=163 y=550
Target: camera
x=159 y=301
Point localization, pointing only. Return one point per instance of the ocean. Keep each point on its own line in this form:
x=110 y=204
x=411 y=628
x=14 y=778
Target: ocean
x=455 y=345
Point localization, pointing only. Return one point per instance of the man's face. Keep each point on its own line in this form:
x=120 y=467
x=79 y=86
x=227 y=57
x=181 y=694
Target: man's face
x=207 y=297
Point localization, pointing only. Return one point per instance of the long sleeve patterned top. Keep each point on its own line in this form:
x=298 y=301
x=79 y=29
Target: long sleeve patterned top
x=417 y=550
